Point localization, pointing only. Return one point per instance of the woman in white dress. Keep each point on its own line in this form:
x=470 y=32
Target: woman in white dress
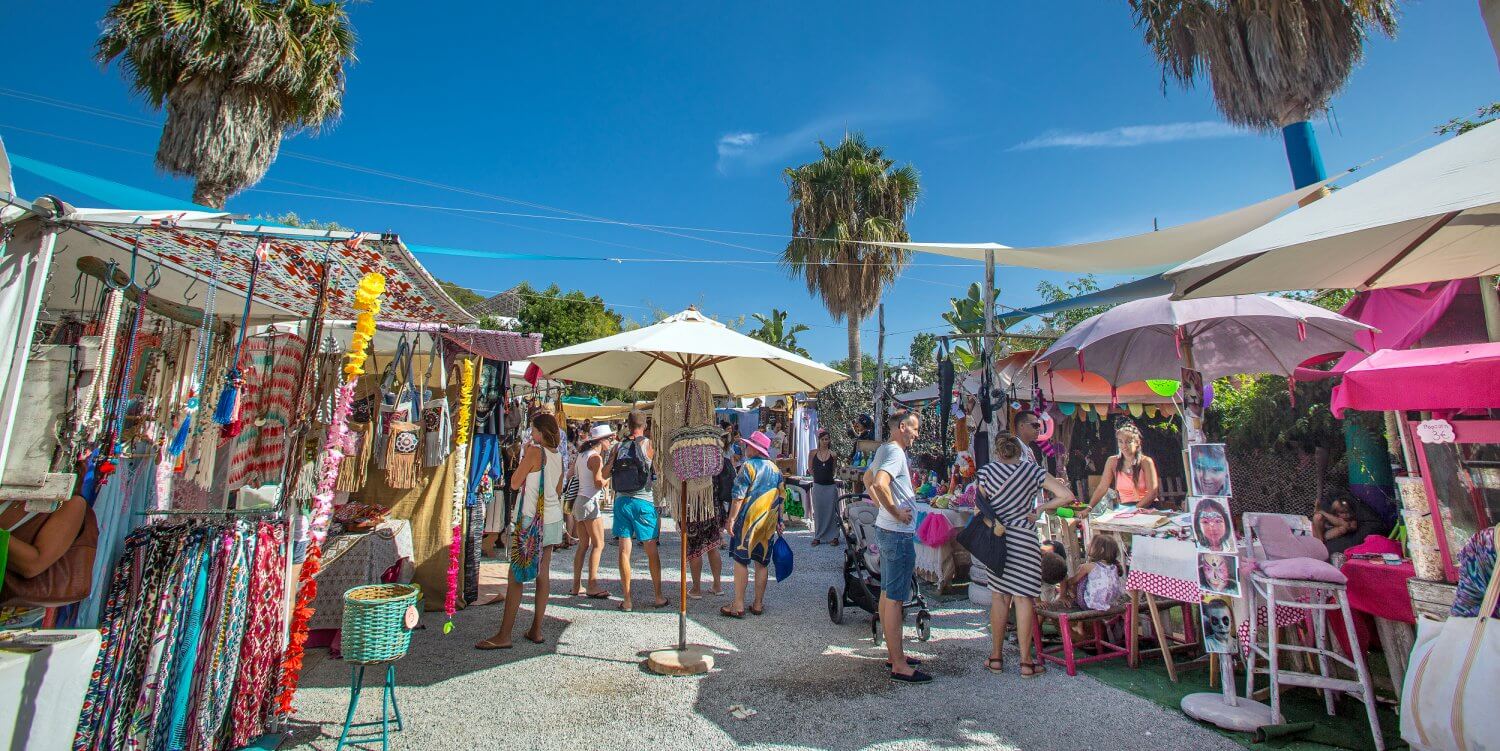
x=540 y=479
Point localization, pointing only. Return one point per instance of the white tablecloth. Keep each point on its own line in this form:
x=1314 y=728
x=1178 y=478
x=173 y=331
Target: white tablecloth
x=41 y=690
x=936 y=564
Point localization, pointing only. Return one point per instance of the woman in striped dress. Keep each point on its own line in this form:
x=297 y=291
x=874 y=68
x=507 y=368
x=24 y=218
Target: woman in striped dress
x=1009 y=487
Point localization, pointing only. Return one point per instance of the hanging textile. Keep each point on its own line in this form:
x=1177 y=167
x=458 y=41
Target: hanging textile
x=670 y=414
x=190 y=639
x=269 y=369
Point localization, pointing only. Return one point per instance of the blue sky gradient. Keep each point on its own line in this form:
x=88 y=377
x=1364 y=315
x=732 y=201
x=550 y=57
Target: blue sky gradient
x=1031 y=123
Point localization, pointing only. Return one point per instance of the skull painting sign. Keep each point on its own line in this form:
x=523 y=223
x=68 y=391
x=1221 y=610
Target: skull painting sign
x=1218 y=625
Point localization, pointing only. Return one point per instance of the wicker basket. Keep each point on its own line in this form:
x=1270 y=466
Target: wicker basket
x=375 y=618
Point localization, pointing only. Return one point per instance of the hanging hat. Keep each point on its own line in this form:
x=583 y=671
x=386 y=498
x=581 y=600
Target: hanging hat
x=760 y=442
x=599 y=432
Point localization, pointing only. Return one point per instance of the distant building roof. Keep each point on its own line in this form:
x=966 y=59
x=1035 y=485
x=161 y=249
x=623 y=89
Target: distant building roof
x=507 y=304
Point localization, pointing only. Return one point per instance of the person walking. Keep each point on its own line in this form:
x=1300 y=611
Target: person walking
x=756 y=515
x=1008 y=486
x=540 y=479
x=825 y=492
x=636 y=520
x=588 y=523
x=888 y=481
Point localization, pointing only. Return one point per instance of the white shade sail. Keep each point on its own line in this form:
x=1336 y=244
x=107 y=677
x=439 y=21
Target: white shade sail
x=1430 y=217
x=1149 y=252
x=650 y=358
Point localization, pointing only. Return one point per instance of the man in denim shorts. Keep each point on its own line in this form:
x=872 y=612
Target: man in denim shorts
x=888 y=481
x=635 y=517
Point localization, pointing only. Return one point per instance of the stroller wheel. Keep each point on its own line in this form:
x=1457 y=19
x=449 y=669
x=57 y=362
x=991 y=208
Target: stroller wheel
x=875 y=629
x=924 y=626
x=835 y=605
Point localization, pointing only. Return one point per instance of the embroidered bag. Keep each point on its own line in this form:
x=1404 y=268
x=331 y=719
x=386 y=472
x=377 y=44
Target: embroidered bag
x=696 y=450
x=399 y=400
x=436 y=423
x=401 y=454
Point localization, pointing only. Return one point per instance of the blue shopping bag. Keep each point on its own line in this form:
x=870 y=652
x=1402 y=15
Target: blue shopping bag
x=781 y=557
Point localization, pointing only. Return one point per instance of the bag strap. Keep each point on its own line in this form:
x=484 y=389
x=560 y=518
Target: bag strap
x=983 y=504
x=541 y=488
x=435 y=360
x=1492 y=592
x=388 y=383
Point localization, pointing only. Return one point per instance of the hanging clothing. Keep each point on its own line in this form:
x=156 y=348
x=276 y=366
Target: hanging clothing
x=755 y=527
x=676 y=406
x=270 y=367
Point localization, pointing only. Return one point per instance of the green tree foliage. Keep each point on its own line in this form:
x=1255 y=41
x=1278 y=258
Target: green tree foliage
x=867 y=369
x=966 y=316
x=775 y=331
x=234 y=77
x=464 y=296
x=922 y=354
x=291 y=219
x=1461 y=125
x=564 y=319
x=1063 y=320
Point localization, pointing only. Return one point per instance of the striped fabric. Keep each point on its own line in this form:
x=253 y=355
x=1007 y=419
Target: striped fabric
x=260 y=651
x=266 y=398
x=1011 y=492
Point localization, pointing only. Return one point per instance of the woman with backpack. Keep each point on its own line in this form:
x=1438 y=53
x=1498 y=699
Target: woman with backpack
x=636 y=519
x=540 y=479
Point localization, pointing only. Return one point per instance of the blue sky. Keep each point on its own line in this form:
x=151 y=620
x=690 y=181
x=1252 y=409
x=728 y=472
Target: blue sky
x=1031 y=123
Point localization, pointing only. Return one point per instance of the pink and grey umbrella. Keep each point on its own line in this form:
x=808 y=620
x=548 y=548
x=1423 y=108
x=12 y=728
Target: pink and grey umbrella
x=1156 y=337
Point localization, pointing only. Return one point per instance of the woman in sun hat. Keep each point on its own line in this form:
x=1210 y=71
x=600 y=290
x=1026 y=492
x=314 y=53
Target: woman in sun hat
x=756 y=518
x=588 y=524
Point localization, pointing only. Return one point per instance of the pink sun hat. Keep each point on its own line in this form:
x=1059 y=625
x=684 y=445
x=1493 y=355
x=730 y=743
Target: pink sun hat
x=759 y=442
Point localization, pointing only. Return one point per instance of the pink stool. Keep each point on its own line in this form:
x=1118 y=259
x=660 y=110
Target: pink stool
x=1094 y=622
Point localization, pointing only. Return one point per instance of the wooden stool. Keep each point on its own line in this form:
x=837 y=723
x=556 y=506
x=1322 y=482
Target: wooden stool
x=1166 y=640
x=1321 y=597
x=1094 y=620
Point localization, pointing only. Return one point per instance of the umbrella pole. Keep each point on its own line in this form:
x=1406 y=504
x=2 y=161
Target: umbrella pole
x=683 y=660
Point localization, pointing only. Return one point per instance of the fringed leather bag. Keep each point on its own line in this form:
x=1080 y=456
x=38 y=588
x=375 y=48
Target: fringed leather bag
x=697 y=451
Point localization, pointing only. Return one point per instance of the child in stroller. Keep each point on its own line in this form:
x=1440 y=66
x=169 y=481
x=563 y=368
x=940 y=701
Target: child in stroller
x=862 y=570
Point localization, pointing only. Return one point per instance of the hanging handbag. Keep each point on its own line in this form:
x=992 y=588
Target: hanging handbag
x=526 y=547
x=397 y=399
x=1448 y=697
x=697 y=450
x=68 y=580
x=984 y=537
x=437 y=425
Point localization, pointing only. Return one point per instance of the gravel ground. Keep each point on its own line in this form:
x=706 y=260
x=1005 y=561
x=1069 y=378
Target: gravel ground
x=812 y=684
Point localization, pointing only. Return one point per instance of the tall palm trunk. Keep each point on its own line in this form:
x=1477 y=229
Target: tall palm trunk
x=856 y=359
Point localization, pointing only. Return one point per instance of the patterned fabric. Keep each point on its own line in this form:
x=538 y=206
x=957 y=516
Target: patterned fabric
x=292 y=278
x=758 y=484
x=261 y=648
x=223 y=661
x=1011 y=491
x=1476 y=563
x=270 y=369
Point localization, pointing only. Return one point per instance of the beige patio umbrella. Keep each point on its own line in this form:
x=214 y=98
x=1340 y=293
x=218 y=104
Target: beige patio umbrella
x=682 y=347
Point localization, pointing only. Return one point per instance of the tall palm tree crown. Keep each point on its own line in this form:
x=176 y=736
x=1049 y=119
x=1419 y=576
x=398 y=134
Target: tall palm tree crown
x=234 y=76
x=1271 y=62
x=852 y=196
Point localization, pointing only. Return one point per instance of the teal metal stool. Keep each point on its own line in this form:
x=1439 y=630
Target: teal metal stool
x=378 y=620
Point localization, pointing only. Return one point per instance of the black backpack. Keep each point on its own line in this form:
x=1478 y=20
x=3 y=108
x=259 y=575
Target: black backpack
x=630 y=470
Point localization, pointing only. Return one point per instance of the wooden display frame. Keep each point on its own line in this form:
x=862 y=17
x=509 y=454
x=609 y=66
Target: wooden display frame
x=1464 y=431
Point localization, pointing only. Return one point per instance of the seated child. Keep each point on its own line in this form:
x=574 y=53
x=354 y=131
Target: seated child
x=1097 y=584
x=1054 y=572
x=1337 y=521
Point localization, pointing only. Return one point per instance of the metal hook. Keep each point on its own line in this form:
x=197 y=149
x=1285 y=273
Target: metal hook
x=187 y=297
x=110 y=269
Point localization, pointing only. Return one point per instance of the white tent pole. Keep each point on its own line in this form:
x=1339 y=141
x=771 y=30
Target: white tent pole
x=880 y=378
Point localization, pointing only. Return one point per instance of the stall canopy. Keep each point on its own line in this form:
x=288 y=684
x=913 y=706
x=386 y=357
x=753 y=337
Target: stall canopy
x=1440 y=379
x=1151 y=252
x=1431 y=217
x=1434 y=314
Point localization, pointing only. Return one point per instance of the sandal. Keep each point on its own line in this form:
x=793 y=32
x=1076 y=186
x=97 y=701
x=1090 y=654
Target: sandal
x=491 y=644
x=996 y=664
x=1031 y=670
x=727 y=613
x=757 y=610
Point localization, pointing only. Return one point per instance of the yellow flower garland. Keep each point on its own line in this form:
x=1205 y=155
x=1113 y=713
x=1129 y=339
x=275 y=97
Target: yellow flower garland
x=465 y=403
x=367 y=302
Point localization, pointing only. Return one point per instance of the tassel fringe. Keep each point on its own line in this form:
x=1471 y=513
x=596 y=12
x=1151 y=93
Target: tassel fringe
x=229 y=399
x=179 y=441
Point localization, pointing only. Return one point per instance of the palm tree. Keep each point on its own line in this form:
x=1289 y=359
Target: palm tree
x=234 y=75
x=850 y=197
x=775 y=331
x=1272 y=63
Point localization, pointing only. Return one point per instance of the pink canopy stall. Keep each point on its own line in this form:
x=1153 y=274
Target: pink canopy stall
x=1458 y=377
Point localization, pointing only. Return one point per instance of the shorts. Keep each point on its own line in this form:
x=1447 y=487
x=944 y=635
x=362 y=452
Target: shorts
x=587 y=509
x=552 y=533
x=635 y=518
x=898 y=562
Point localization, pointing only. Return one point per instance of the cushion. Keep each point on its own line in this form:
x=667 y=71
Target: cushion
x=1306 y=569
x=1277 y=540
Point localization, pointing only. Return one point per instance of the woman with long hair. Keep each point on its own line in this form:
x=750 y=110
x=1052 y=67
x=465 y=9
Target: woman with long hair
x=539 y=478
x=1008 y=486
x=1129 y=473
x=588 y=522
x=825 y=492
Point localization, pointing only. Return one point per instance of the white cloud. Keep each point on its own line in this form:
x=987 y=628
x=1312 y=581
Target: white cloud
x=743 y=151
x=1131 y=135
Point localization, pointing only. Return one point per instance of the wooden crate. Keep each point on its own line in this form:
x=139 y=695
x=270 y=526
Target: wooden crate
x=1432 y=599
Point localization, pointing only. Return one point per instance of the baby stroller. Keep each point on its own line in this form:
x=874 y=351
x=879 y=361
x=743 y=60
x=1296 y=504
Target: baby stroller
x=862 y=571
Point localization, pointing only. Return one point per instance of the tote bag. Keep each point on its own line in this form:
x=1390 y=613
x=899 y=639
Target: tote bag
x=526 y=547
x=1448 y=699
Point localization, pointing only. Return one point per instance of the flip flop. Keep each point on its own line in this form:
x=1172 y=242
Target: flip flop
x=758 y=611
x=488 y=644
x=660 y=604
x=727 y=613
x=598 y=595
x=542 y=640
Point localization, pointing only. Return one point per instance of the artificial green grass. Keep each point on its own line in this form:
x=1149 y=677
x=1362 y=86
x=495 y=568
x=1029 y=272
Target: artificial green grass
x=1348 y=729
